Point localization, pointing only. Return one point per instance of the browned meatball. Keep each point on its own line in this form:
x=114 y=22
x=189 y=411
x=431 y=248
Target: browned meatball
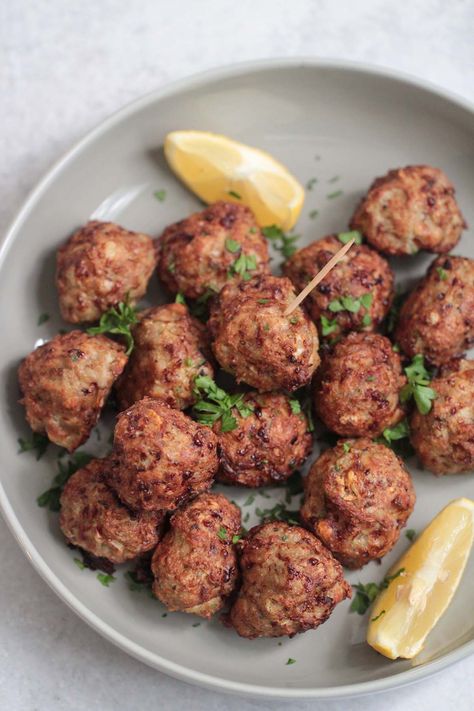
x=93 y=518
x=267 y=445
x=160 y=456
x=358 y=496
x=255 y=342
x=357 y=386
x=195 y=565
x=290 y=582
x=409 y=209
x=437 y=319
x=65 y=383
x=196 y=255
x=335 y=305
x=444 y=438
x=171 y=349
x=99 y=266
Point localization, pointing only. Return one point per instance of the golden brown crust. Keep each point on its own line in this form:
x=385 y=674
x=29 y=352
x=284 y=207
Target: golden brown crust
x=99 y=266
x=93 y=518
x=65 y=383
x=444 y=438
x=437 y=319
x=171 y=349
x=361 y=271
x=161 y=458
x=193 y=257
x=267 y=446
x=254 y=341
x=409 y=209
x=195 y=565
x=357 y=386
x=290 y=582
x=358 y=496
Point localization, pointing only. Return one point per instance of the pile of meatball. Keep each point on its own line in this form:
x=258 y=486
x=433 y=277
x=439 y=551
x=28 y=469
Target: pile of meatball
x=150 y=499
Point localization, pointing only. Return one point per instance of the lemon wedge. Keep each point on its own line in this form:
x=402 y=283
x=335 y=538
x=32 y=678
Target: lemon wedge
x=405 y=612
x=215 y=168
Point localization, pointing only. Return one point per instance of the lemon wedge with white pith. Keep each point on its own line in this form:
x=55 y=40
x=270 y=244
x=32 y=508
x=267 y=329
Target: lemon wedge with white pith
x=409 y=608
x=215 y=168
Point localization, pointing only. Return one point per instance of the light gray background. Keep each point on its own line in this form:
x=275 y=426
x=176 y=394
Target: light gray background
x=64 y=66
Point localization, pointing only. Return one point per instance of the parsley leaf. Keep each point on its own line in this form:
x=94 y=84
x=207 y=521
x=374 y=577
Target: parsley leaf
x=311 y=183
x=278 y=512
x=442 y=273
x=367 y=592
x=118 y=320
x=351 y=303
x=335 y=194
x=393 y=434
x=290 y=661
x=80 y=563
x=381 y=614
x=295 y=406
x=180 y=299
x=394 y=311
x=236 y=538
x=410 y=533
x=328 y=326
x=37 y=443
x=160 y=195
x=234 y=194
x=232 y=245
x=42 y=318
x=346 y=237
x=105 y=579
x=346 y=447
x=222 y=533
x=51 y=497
x=283 y=243
x=313 y=214
x=244 y=264
x=418 y=385
x=218 y=404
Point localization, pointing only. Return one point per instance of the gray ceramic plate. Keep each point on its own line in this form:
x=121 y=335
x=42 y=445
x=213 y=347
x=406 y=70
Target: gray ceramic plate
x=341 y=124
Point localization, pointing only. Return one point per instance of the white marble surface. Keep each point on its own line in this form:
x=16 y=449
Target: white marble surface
x=66 y=65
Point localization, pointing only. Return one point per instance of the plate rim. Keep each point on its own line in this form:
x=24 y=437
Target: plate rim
x=153 y=660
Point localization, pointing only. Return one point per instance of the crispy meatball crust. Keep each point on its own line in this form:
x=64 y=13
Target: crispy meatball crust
x=290 y=582
x=409 y=209
x=65 y=383
x=193 y=256
x=444 y=438
x=256 y=343
x=437 y=319
x=357 y=386
x=357 y=501
x=267 y=446
x=195 y=565
x=99 y=266
x=160 y=457
x=171 y=349
x=362 y=271
x=93 y=518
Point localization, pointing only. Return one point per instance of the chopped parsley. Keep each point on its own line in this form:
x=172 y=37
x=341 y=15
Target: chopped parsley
x=311 y=183
x=392 y=317
x=290 y=661
x=160 y=195
x=294 y=320
x=283 y=243
x=335 y=194
x=350 y=303
x=295 y=406
x=249 y=500
x=236 y=538
x=200 y=307
x=51 y=498
x=366 y=320
x=418 y=385
x=393 y=434
x=232 y=245
x=42 y=318
x=346 y=237
x=313 y=214
x=244 y=264
x=80 y=563
x=180 y=299
x=442 y=273
x=381 y=614
x=222 y=533
x=263 y=301
x=118 y=320
x=105 y=579
x=334 y=179
x=328 y=326
x=217 y=404
x=346 y=447
x=37 y=443
x=278 y=512
x=234 y=194
x=367 y=592
x=410 y=534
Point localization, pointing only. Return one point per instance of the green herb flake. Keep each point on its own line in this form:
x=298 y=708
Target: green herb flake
x=66 y=468
x=222 y=533
x=234 y=194
x=294 y=320
x=278 y=512
x=313 y=214
x=442 y=273
x=290 y=661
x=263 y=301
x=266 y=327
x=381 y=614
x=42 y=318
x=246 y=517
x=399 y=431
x=335 y=194
x=410 y=534
x=197 y=624
x=334 y=179
x=243 y=265
x=370 y=378
x=328 y=326
x=105 y=579
x=118 y=320
x=295 y=406
x=37 y=443
x=253 y=230
x=367 y=592
x=311 y=183
x=249 y=500
x=171 y=266
x=346 y=447
x=346 y=237
x=366 y=320
x=160 y=195
x=418 y=385
x=164 y=614
x=236 y=538
x=283 y=243
x=232 y=245
x=218 y=404
x=80 y=563
x=180 y=299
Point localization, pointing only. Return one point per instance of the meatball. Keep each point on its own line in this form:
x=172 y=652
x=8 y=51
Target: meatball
x=65 y=383
x=256 y=342
x=357 y=386
x=290 y=582
x=358 y=496
x=195 y=565
x=93 y=518
x=444 y=438
x=409 y=209
x=99 y=266
x=160 y=457
x=267 y=445
x=355 y=295
x=171 y=349
x=196 y=254
x=437 y=319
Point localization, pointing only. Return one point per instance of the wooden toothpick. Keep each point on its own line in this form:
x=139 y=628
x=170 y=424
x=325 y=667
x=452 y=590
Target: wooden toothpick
x=319 y=277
